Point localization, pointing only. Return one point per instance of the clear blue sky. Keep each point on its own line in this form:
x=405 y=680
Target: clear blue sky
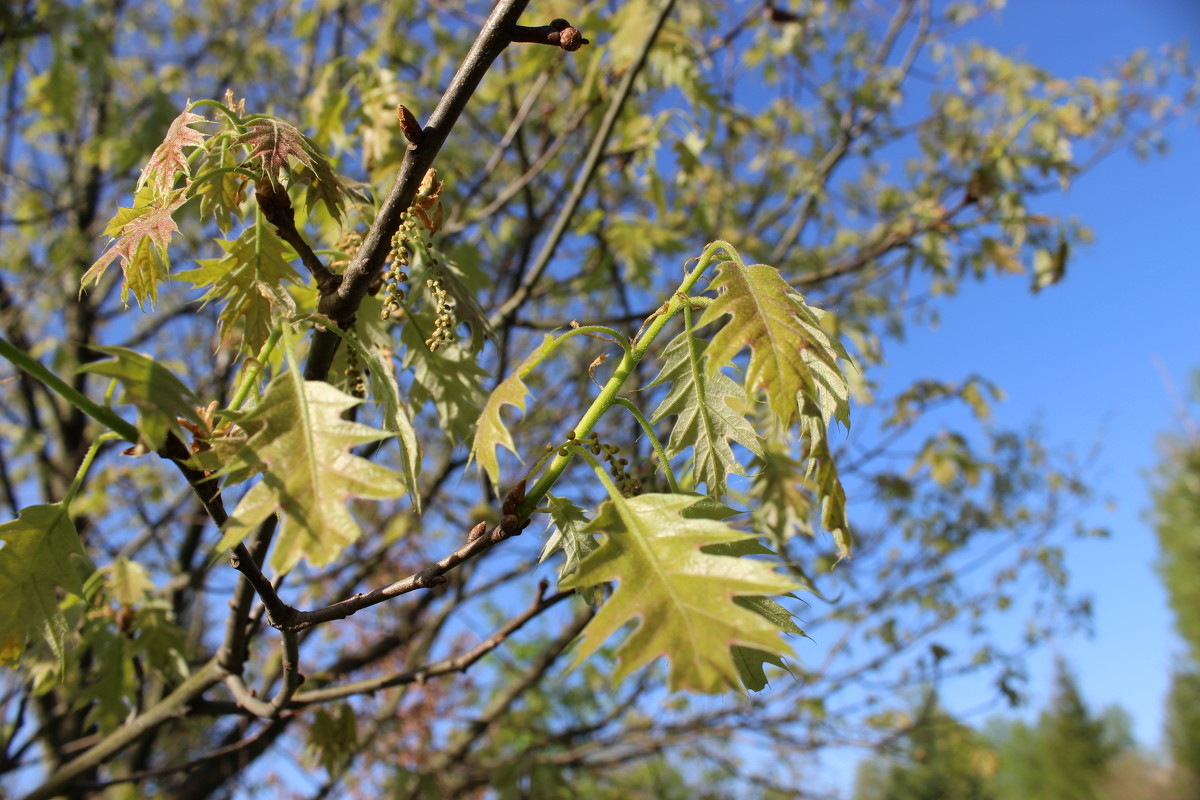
x=1081 y=358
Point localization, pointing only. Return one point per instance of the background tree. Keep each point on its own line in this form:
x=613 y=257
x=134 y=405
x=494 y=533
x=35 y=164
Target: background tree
x=576 y=185
x=1068 y=753
x=939 y=757
x=1176 y=517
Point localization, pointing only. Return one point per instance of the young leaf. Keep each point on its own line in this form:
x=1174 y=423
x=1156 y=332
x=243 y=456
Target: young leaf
x=792 y=361
x=372 y=344
x=789 y=353
x=490 y=431
x=569 y=521
x=275 y=144
x=141 y=236
x=448 y=378
x=168 y=161
x=250 y=278
x=160 y=398
x=301 y=444
x=683 y=596
x=41 y=554
x=705 y=419
x=221 y=193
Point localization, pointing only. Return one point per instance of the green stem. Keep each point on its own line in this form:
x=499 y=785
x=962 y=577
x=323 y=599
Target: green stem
x=655 y=443
x=252 y=373
x=193 y=187
x=233 y=118
x=105 y=416
x=608 y=394
x=88 y=458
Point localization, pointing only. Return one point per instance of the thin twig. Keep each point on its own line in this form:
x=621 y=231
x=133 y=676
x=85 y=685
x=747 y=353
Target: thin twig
x=510 y=307
x=478 y=540
x=459 y=663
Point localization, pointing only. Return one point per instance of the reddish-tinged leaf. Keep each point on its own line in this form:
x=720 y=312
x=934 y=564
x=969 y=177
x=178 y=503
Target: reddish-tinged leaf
x=168 y=161
x=272 y=143
x=142 y=235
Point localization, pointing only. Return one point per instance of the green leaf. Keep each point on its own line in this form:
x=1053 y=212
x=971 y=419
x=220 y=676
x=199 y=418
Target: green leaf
x=141 y=234
x=371 y=343
x=448 y=378
x=41 y=554
x=707 y=419
x=790 y=355
x=160 y=397
x=333 y=736
x=251 y=281
x=792 y=361
x=301 y=444
x=568 y=522
x=683 y=596
x=221 y=193
x=490 y=430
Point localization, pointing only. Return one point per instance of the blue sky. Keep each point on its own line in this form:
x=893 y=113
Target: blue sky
x=1086 y=359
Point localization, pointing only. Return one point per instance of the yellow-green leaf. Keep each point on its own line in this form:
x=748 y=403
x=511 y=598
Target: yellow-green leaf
x=683 y=597
x=490 y=431
x=302 y=445
x=41 y=554
x=160 y=398
x=706 y=407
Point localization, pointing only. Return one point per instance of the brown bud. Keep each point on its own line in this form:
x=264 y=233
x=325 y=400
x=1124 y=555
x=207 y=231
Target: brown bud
x=514 y=498
x=409 y=125
x=570 y=39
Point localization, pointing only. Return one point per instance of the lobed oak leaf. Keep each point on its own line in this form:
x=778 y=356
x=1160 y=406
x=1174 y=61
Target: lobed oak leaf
x=490 y=430
x=167 y=161
x=684 y=598
x=705 y=407
x=302 y=447
x=790 y=355
x=142 y=234
x=568 y=522
x=160 y=398
x=41 y=555
x=251 y=279
x=275 y=144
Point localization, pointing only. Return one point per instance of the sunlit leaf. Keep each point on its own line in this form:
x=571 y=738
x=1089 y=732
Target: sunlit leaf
x=141 y=234
x=302 y=446
x=250 y=280
x=706 y=409
x=168 y=161
x=490 y=431
x=683 y=597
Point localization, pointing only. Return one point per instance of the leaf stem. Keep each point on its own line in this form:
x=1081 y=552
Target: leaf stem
x=88 y=458
x=608 y=394
x=234 y=119
x=252 y=373
x=654 y=441
x=105 y=416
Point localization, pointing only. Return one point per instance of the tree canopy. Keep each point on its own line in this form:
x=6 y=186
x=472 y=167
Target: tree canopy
x=397 y=406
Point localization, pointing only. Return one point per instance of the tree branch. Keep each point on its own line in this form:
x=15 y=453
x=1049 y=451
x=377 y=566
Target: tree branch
x=510 y=307
x=342 y=304
x=459 y=663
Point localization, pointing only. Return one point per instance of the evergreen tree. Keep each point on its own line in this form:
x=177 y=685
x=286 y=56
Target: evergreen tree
x=1177 y=522
x=1066 y=754
x=939 y=758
